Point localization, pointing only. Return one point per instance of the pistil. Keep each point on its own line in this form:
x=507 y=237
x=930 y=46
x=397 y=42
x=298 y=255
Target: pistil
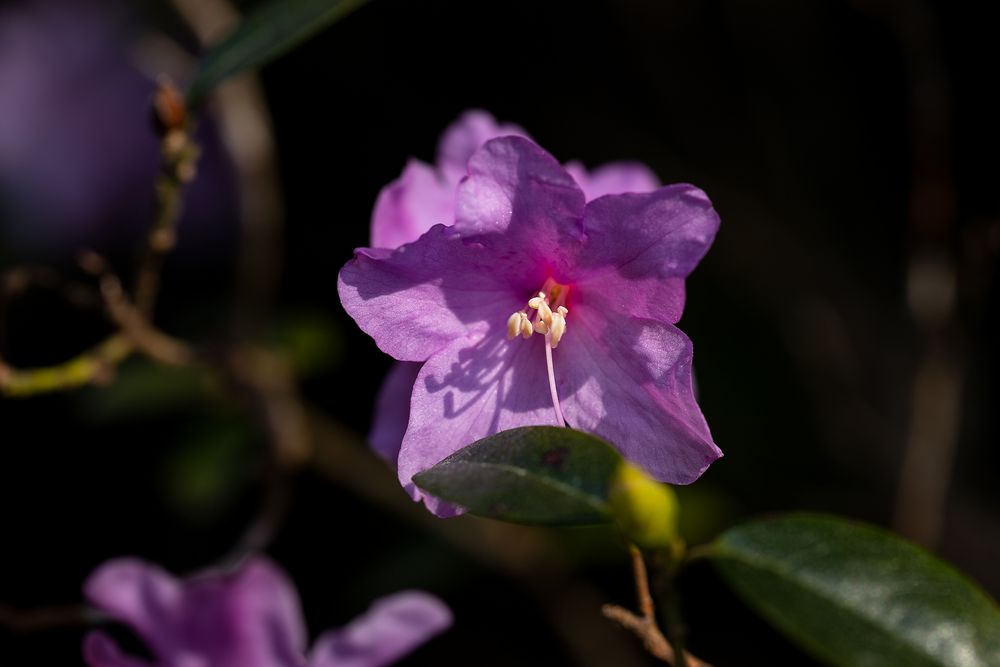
x=552 y=380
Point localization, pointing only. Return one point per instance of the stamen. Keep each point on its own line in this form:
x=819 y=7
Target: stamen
x=543 y=321
x=514 y=325
x=526 y=328
x=518 y=324
x=558 y=326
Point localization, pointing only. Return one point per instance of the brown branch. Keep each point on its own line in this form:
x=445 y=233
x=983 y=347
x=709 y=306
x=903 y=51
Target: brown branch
x=178 y=166
x=146 y=338
x=32 y=620
x=19 y=279
x=645 y=626
x=179 y=155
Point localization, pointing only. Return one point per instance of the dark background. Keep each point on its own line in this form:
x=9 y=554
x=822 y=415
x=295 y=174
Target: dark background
x=850 y=149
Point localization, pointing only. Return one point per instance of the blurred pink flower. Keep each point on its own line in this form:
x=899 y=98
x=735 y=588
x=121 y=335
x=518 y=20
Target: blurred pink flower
x=249 y=618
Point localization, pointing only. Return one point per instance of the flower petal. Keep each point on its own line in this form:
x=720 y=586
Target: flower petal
x=640 y=247
x=99 y=650
x=628 y=380
x=464 y=137
x=613 y=178
x=250 y=618
x=406 y=208
x=520 y=202
x=140 y=595
x=663 y=233
x=472 y=389
x=392 y=410
x=417 y=299
x=393 y=627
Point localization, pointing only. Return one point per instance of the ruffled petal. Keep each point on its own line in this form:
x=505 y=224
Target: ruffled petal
x=392 y=410
x=628 y=380
x=472 y=389
x=409 y=206
x=521 y=203
x=464 y=137
x=663 y=233
x=391 y=628
x=250 y=618
x=614 y=178
x=640 y=247
x=416 y=300
x=140 y=595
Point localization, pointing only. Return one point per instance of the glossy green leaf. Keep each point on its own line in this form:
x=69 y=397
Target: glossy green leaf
x=535 y=474
x=269 y=32
x=856 y=595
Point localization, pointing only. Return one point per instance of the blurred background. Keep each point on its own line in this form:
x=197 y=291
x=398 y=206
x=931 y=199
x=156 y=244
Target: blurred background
x=844 y=323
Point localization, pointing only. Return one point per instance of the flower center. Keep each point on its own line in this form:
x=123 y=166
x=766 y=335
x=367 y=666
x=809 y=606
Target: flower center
x=549 y=318
x=548 y=322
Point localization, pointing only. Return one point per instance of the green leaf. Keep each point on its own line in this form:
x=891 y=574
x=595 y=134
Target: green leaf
x=310 y=341
x=269 y=32
x=853 y=594
x=535 y=474
x=143 y=389
x=212 y=463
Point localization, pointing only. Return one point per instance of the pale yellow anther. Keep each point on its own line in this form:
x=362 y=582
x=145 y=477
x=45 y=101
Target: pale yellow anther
x=526 y=328
x=514 y=324
x=558 y=327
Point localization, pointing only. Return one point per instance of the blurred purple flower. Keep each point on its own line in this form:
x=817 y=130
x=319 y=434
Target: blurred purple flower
x=78 y=155
x=424 y=196
x=603 y=281
x=250 y=618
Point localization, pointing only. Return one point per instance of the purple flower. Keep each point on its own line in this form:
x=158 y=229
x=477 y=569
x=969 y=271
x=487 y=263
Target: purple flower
x=601 y=281
x=250 y=618
x=424 y=196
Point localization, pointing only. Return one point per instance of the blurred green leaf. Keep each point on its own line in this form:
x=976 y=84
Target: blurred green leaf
x=310 y=341
x=534 y=474
x=853 y=594
x=204 y=472
x=144 y=389
x=267 y=33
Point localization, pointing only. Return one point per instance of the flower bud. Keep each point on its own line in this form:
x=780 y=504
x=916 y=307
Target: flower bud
x=645 y=510
x=169 y=110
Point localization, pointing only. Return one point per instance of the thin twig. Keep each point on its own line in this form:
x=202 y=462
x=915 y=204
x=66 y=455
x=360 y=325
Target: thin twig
x=645 y=626
x=44 y=618
x=178 y=166
x=179 y=155
x=146 y=338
